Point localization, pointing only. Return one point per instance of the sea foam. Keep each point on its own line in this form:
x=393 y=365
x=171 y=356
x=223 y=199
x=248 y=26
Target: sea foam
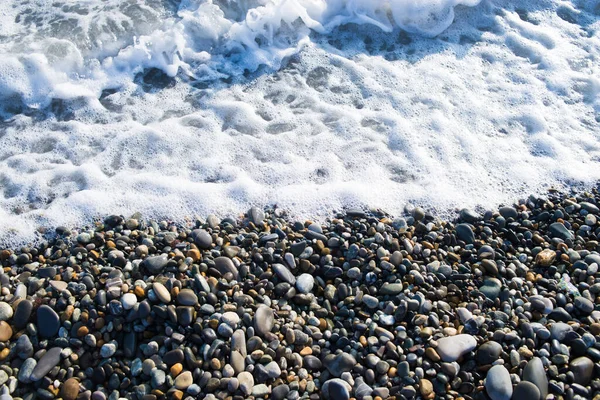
x=176 y=109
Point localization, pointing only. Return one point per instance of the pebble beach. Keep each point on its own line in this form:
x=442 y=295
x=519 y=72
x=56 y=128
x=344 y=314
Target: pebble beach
x=497 y=305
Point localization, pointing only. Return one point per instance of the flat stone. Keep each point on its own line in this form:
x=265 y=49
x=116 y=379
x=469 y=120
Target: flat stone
x=231 y=318
x=284 y=273
x=451 y=348
x=263 y=320
x=59 y=286
x=46 y=363
x=526 y=390
x=559 y=330
x=183 y=380
x=584 y=305
x=225 y=265
x=187 y=297
x=559 y=230
x=583 y=369
x=305 y=283
x=391 y=289
x=488 y=352
x=173 y=357
x=508 y=212
x=156 y=264
x=48 y=321
x=534 y=372
x=545 y=258
x=491 y=288
x=256 y=215
x=370 y=301
x=339 y=363
x=498 y=384
x=246 y=381
x=161 y=292
x=202 y=238
x=26 y=370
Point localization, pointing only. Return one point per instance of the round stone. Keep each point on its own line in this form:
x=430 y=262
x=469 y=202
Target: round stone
x=488 y=352
x=583 y=369
x=225 y=265
x=22 y=314
x=6 y=311
x=305 y=283
x=183 y=380
x=202 y=238
x=70 y=389
x=156 y=264
x=5 y=331
x=230 y=318
x=128 y=300
x=48 y=321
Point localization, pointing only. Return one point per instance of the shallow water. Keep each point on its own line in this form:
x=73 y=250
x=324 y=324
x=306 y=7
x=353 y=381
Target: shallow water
x=187 y=108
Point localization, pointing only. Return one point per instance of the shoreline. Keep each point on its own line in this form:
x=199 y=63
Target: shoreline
x=361 y=306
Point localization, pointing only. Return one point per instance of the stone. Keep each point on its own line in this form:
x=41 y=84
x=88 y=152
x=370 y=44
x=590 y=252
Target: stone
x=559 y=230
x=370 y=301
x=545 y=258
x=26 y=370
x=336 y=389
x=183 y=380
x=59 y=286
x=48 y=361
x=498 y=384
x=391 y=289
x=187 y=297
x=5 y=331
x=6 y=311
x=305 y=283
x=584 y=305
x=48 y=321
x=263 y=320
x=246 y=381
x=488 y=352
x=339 y=363
x=465 y=233
x=161 y=292
x=256 y=215
x=451 y=348
x=225 y=265
x=156 y=264
x=583 y=369
x=108 y=349
x=534 y=372
x=284 y=273
x=128 y=300
x=526 y=390
x=70 y=389
x=202 y=238
x=22 y=313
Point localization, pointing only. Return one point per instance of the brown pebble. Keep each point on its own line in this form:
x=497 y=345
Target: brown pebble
x=432 y=354
x=82 y=331
x=194 y=254
x=176 y=369
x=4 y=353
x=426 y=388
x=5 y=331
x=70 y=389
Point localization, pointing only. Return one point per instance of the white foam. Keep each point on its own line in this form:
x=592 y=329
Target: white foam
x=343 y=110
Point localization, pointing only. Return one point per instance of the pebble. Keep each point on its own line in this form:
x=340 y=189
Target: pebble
x=6 y=311
x=263 y=320
x=534 y=372
x=48 y=321
x=498 y=384
x=48 y=361
x=183 y=380
x=128 y=300
x=305 y=283
x=451 y=348
x=526 y=391
x=161 y=292
x=583 y=369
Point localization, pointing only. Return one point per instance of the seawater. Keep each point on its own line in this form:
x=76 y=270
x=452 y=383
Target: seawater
x=183 y=108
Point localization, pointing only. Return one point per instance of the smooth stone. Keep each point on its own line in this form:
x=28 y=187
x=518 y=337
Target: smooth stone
x=46 y=363
x=6 y=331
x=508 y=212
x=59 y=286
x=231 y=318
x=256 y=215
x=491 y=288
x=22 y=313
x=26 y=370
x=488 y=352
x=280 y=392
x=305 y=283
x=263 y=320
x=583 y=369
x=391 y=289
x=225 y=265
x=70 y=389
x=559 y=230
x=128 y=300
x=584 y=305
x=246 y=381
x=6 y=311
x=498 y=384
x=559 y=330
x=284 y=273
x=526 y=390
x=158 y=378
x=161 y=292
x=202 y=238
x=183 y=380
x=469 y=216
x=534 y=372
x=451 y=348
x=173 y=357
x=156 y=264
x=336 y=389
x=48 y=321
x=340 y=363
x=370 y=301
x=187 y=297
x=108 y=349
x=465 y=233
